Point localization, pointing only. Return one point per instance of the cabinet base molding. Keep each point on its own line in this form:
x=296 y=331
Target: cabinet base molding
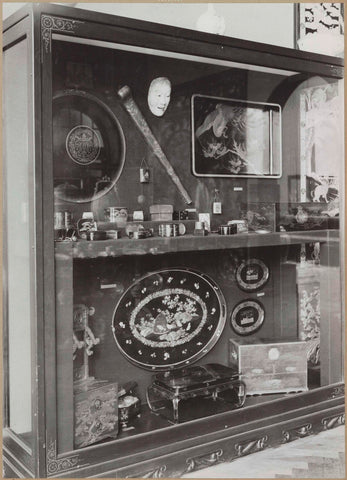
x=252 y=446
x=9 y=470
x=297 y=432
x=203 y=461
x=157 y=472
x=13 y=467
x=184 y=457
x=333 y=421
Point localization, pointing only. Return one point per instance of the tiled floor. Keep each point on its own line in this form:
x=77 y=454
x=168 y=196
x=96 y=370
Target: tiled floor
x=317 y=456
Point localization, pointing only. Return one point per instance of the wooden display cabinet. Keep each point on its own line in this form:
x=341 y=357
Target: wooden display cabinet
x=77 y=131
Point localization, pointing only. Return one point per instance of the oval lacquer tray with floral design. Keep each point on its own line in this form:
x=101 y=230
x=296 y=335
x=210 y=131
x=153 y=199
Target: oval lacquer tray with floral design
x=169 y=318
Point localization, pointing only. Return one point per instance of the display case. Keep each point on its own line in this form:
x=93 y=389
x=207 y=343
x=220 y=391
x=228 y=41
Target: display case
x=167 y=194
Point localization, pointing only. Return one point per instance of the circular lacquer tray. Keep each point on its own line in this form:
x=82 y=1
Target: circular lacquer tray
x=247 y=317
x=252 y=274
x=83 y=145
x=169 y=318
x=88 y=146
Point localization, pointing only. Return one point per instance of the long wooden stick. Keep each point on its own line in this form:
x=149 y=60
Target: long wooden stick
x=130 y=105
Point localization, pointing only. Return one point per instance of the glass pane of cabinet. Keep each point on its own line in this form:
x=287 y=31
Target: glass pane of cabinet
x=18 y=241
x=200 y=214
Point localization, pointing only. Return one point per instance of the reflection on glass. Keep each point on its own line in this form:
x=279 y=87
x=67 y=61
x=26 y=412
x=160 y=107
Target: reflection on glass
x=18 y=240
x=222 y=121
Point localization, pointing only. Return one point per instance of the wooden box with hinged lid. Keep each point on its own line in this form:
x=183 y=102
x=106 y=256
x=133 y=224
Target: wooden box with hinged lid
x=269 y=366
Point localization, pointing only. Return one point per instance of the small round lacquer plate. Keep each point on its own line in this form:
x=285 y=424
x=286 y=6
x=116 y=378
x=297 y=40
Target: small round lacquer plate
x=169 y=318
x=252 y=274
x=83 y=145
x=247 y=317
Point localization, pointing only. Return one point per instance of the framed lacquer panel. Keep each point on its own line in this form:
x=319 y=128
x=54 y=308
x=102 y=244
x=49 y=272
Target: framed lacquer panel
x=235 y=138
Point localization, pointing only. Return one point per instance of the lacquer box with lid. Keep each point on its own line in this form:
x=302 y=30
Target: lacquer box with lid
x=86 y=153
x=269 y=367
x=179 y=396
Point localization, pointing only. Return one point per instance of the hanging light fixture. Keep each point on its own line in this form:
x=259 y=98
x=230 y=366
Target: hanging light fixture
x=210 y=21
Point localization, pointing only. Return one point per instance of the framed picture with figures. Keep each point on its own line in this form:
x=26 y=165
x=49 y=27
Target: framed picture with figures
x=235 y=138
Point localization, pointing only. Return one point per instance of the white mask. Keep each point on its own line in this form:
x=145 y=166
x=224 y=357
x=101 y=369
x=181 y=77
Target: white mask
x=159 y=93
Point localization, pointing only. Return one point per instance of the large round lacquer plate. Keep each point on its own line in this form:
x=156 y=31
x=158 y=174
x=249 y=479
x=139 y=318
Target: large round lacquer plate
x=169 y=318
x=88 y=147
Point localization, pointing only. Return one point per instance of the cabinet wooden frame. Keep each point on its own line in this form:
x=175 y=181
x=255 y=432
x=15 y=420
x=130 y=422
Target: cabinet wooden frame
x=29 y=458
x=169 y=455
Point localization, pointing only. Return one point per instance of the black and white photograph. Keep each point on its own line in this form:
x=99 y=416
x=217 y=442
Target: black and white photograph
x=173 y=240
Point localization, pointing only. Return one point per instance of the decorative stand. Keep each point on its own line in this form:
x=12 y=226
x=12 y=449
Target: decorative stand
x=95 y=401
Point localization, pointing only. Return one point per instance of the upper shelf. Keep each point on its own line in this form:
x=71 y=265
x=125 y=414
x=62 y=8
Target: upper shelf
x=188 y=243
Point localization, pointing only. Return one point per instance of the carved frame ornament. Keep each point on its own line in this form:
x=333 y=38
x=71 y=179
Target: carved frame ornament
x=203 y=461
x=58 y=24
x=56 y=465
x=338 y=391
x=251 y=446
x=297 y=432
x=156 y=472
x=333 y=421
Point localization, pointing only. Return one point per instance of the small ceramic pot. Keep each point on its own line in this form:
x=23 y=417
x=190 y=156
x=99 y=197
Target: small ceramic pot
x=128 y=408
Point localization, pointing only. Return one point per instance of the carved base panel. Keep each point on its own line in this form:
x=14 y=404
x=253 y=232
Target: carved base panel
x=191 y=446
x=194 y=454
x=223 y=446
